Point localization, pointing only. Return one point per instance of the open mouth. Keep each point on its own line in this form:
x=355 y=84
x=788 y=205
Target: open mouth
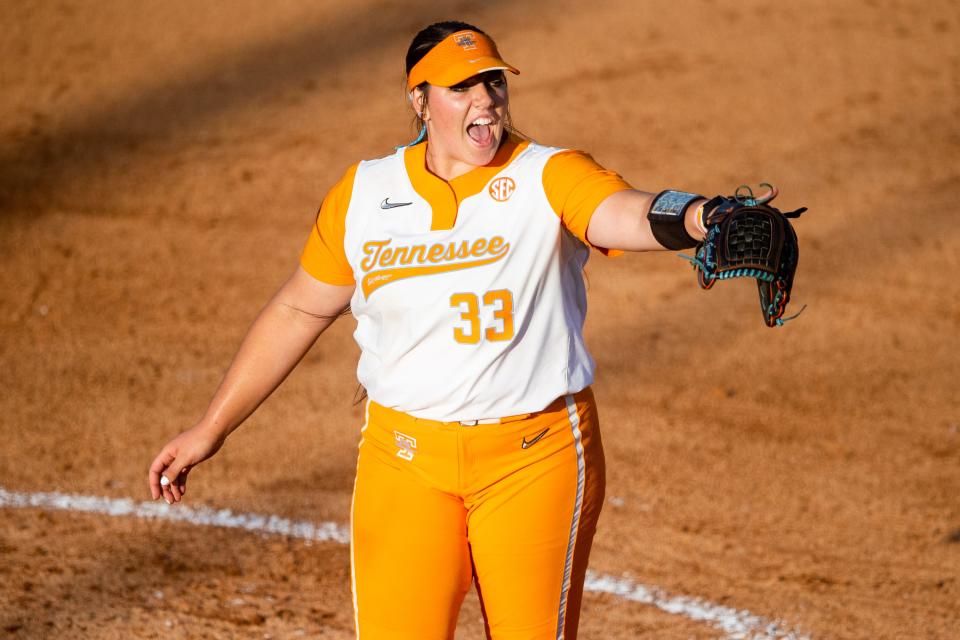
x=481 y=131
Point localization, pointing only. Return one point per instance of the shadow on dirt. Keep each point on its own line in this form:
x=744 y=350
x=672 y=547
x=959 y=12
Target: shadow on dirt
x=174 y=106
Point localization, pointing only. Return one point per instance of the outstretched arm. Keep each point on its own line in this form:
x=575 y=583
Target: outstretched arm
x=620 y=222
x=280 y=336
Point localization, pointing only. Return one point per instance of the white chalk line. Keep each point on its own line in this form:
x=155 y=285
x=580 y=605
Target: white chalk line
x=738 y=624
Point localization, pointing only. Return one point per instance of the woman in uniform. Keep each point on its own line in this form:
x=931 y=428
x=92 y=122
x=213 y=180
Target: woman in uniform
x=461 y=258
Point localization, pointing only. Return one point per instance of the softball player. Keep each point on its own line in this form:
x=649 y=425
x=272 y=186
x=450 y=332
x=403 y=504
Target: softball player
x=461 y=258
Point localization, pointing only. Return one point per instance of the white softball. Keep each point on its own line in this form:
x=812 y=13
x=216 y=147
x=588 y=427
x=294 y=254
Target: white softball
x=164 y=482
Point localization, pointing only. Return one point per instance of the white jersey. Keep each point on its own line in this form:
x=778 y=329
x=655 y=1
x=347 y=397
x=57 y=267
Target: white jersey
x=480 y=320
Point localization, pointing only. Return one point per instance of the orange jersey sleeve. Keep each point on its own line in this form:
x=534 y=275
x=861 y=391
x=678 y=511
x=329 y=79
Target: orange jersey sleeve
x=323 y=257
x=575 y=185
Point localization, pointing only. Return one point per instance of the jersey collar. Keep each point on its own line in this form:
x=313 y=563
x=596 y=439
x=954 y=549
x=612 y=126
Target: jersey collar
x=445 y=196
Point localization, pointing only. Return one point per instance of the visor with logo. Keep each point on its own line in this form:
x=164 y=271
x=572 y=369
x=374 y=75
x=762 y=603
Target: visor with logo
x=457 y=57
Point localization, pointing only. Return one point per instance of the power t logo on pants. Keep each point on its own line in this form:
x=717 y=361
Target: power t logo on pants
x=405 y=445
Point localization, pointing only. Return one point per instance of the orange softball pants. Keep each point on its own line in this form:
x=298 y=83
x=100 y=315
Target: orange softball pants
x=512 y=505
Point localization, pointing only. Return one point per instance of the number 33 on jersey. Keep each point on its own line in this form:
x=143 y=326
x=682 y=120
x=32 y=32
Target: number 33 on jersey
x=470 y=306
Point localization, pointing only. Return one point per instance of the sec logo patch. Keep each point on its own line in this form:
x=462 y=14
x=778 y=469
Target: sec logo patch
x=502 y=188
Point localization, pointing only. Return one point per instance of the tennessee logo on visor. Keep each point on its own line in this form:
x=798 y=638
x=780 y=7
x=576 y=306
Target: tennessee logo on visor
x=466 y=41
x=455 y=58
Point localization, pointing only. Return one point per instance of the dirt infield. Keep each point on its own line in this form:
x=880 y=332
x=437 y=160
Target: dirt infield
x=160 y=166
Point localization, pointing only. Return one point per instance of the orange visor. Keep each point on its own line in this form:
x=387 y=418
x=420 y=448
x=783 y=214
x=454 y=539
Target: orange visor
x=457 y=57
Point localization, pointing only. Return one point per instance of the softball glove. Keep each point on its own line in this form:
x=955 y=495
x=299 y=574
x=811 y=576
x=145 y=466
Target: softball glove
x=748 y=238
